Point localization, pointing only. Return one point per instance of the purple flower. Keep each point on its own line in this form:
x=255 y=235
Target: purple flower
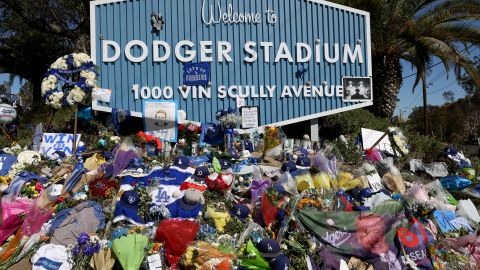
x=83 y=239
x=96 y=247
x=89 y=250
x=75 y=250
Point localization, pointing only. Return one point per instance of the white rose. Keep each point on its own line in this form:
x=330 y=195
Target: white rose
x=52 y=79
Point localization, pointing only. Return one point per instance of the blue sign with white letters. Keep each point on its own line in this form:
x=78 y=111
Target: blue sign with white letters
x=196 y=74
x=286 y=57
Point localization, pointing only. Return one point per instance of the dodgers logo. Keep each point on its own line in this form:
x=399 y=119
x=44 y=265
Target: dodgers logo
x=131 y=199
x=162 y=196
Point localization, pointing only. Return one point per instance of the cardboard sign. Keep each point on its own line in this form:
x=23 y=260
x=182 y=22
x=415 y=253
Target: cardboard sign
x=52 y=142
x=250 y=116
x=160 y=117
x=370 y=137
x=375 y=182
x=195 y=74
x=101 y=94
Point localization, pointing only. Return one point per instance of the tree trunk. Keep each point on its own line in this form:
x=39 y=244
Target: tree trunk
x=425 y=107
x=387 y=80
x=37 y=90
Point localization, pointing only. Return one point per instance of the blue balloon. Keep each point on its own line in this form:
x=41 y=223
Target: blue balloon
x=455 y=182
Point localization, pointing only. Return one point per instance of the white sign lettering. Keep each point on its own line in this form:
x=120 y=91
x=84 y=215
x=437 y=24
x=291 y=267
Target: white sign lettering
x=221 y=51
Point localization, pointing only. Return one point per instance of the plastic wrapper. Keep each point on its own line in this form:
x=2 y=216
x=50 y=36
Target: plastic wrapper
x=288 y=183
x=386 y=166
x=304 y=181
x=253 y=259
x=274 y=152
x=322 y=164
x=176 y=243
x=34 y=220
x=12 y=246
x=202 y=255
x=253 y=232
x=258 y=187
x=455 y=182
x=373 y=154
x=11 y=216
x=322 y=180
x=130 y=250
x=346 y=181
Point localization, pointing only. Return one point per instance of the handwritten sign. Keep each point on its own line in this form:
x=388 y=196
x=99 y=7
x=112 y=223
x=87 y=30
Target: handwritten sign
x=250 y=117
x=52 y=142
x=101 y=94
x=196 y=74
x=375 y=182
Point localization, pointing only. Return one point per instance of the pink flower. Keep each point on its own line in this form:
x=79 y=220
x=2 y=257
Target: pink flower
x=192 y=128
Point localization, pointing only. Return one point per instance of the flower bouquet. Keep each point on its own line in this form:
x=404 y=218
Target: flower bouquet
x=189 y=135
x=85 y=248
x=31 y=189
x=228 y=120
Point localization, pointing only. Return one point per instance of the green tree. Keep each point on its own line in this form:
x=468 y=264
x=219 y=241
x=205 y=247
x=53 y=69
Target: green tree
x=448 y=96
x=417 y=31
x=35 y=33
x=468 y=83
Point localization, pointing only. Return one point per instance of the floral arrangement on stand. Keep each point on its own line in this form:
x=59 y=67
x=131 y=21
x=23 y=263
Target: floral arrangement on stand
x=86 y=246
x=68 y=80
x=189 y=134
x=228 y=120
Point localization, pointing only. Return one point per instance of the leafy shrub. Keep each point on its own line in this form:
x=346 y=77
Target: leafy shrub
x=349 y=152
x=424 y=147
x=351 y=122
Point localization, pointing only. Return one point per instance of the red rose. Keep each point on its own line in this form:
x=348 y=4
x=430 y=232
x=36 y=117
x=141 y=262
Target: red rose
x=38 y=187
x=60 y=199
x=140 y=134
x=181 y=128
x=199 y=130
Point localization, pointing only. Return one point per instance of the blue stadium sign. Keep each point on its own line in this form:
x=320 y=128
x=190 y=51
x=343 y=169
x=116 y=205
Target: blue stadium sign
x=196 y=74
x=286 y=57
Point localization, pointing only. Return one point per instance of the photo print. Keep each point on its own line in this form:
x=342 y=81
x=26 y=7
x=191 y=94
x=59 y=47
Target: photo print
x=357 y=89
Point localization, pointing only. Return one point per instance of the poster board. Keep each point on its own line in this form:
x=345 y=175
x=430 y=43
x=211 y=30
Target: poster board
x=53 y=142
x=161 y=119
x=250 y=116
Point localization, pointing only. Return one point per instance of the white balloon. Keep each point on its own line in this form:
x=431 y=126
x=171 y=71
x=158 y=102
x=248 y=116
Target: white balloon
x=7 y=113
x=182 y=115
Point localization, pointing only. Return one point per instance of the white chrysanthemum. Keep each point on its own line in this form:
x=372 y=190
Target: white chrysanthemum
x=89 y=77
x=52 y=79
x=47 y=86
x=61 y=63
x=76 y=95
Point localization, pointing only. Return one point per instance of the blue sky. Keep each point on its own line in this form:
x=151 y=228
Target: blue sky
x=437 y=84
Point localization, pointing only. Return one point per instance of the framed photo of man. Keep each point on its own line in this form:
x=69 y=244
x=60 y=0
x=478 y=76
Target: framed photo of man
x=160 y=118
x=357 y=89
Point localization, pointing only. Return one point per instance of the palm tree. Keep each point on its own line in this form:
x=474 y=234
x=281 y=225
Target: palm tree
x=417 y=31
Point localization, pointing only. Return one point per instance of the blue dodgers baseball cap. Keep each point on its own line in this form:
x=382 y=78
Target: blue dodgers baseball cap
x=224 y=164
x=127 y=208
x=289 y=166
x=240 y=211
x=269 y=248
x=201 y=173
x=182 y=162
x=281 y=262
x=303 y=162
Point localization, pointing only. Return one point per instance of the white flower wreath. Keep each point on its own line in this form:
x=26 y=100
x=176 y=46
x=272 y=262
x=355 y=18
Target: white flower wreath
x=58 y=87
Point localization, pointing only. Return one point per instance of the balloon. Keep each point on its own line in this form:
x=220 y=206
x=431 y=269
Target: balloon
x=455 y=182
x=7 y=113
